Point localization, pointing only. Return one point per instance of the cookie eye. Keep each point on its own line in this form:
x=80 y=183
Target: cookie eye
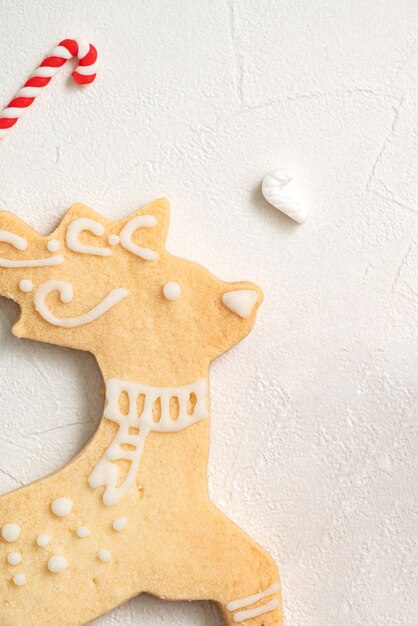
x=26 y=285
x=172 y=291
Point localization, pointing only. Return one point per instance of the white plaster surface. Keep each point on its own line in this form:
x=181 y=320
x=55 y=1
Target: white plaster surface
x=315 y=447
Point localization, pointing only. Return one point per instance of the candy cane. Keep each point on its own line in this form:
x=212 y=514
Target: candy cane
x=83 y=75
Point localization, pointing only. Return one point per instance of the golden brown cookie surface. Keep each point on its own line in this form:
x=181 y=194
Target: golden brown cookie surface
x=131 y=512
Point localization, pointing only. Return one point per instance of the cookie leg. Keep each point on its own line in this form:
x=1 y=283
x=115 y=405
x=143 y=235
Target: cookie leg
x=245 y=579
x=260 y=609
x=211 y=558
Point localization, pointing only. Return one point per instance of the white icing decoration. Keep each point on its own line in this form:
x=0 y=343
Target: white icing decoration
x=19 y=579
x=66 y=295
x=260 y=610
x=62 y=507
x=17 y=242
x=21 y=244
x=80 y=225
x=172 y=291
x=43 y=540
x=141 y=221
x=278 y=190
x=53 y=245
x=119 y=524
x=82 y=532
x=26 y=285
x=242 y=602
x=104 y=555
x=241 y=301
x=106 y=473
x=57 y=564
x=14 y=558
x=10 y=532
x=113 y=240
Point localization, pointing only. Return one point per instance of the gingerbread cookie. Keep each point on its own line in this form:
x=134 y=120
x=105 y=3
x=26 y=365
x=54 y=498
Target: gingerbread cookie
x=131 y=512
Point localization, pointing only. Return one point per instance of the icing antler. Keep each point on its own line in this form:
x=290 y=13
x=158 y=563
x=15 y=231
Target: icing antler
x=21 y=244
x=22 y=247
x=85 y=224
x=127 y=232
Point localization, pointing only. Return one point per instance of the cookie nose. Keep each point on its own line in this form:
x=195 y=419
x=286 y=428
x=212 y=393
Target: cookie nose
x=241 y=301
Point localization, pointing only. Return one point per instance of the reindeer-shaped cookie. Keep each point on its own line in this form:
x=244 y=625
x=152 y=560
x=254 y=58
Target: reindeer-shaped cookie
x=131 y=512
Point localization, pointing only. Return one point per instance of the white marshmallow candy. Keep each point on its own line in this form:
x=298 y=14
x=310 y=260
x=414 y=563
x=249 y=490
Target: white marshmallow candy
x=279 y=190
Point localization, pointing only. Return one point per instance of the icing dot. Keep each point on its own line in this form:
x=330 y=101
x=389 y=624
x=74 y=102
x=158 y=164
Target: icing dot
x=57 y=564
x=62 y=507
x=10 y=532
x=14 y=558
x=171 y=291
x=53 y=245
x=26 y=285
x=119 y=523
x=82 y=532
x=113 y=240
x=104 y=555
x=43 y=540
x=19 y=579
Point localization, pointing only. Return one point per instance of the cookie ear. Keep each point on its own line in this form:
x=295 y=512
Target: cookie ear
x=144 y=232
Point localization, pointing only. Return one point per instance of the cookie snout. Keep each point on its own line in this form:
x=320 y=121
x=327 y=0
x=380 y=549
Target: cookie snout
x=243 y=299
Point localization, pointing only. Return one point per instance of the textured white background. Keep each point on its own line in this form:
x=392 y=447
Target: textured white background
x=315 y=415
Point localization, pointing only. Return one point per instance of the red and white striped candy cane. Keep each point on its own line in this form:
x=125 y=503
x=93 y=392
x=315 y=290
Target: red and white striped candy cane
x=83 y=75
